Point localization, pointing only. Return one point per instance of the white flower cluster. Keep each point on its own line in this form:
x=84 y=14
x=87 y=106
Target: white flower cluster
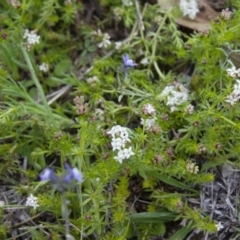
x=127 y=3
x=104 y=38
x=192 y=168
x=176 y=95
x=233 y=72
x=149 y=111
x=14 y=3
x=118 y=13
x=44 y=67
x=120 y=138
x=149 y=122
x=32 y=202
x=31 y=37
x=189 y=8
x=189 y=109
x=92 y=81
x=234 y=96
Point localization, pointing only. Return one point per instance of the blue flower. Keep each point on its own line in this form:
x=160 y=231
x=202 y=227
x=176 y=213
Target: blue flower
x=74 y=173
x=127 y=62
x=48 y=174
x=64 y=179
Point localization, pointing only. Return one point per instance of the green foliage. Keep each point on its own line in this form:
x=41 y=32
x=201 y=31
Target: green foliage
x=66 y=112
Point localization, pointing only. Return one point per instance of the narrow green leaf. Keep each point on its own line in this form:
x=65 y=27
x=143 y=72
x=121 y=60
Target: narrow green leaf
x=182 y=233
x=208 y=165
x=169 y=180
x=153 y=217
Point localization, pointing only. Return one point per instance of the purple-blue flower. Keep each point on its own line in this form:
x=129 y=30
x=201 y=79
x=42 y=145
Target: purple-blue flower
x=48 y=174
x=127 y=62
x=73 y=173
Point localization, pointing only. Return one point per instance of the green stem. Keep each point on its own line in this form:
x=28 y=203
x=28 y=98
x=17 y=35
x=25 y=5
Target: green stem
x=38 y=85
x=158 y=70
x=154 y=46
x=229 y=121
x=65 y=214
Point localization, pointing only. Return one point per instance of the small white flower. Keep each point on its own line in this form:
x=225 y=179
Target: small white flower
x=219 y=226
x=118 y=143
x=144 y=61
x=14 y=3
x=238 y=72
x=44 y=67
x=118 y=12
x=118 y=130
x=189 y=8
x=32 y=202
x=118 y=45
x=237 y=86
x=127 y=3
x=105 y=41
x=192 y=168
x=232 y=72
x=150 y=122
x=93 y=80
x=189 y=109
x=232 y=98
x=99 y=113
x=98 y=33
x=31 y=37
x=148 y=109
x=124 y=154
x=167 y=90
x=104 y=38
x=127 y=152
x=173 y=109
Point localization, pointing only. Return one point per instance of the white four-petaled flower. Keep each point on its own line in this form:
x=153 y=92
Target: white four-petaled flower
x=44 y=67
x=219 y=226
x=32 y=201
x=124 y=154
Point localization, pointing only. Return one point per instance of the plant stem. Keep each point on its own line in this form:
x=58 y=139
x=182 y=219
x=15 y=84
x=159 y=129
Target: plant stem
x=65 y=214
x=38 y=85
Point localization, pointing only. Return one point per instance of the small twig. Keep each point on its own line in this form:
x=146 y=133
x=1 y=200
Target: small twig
x=59 y=94
x=28 y=220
